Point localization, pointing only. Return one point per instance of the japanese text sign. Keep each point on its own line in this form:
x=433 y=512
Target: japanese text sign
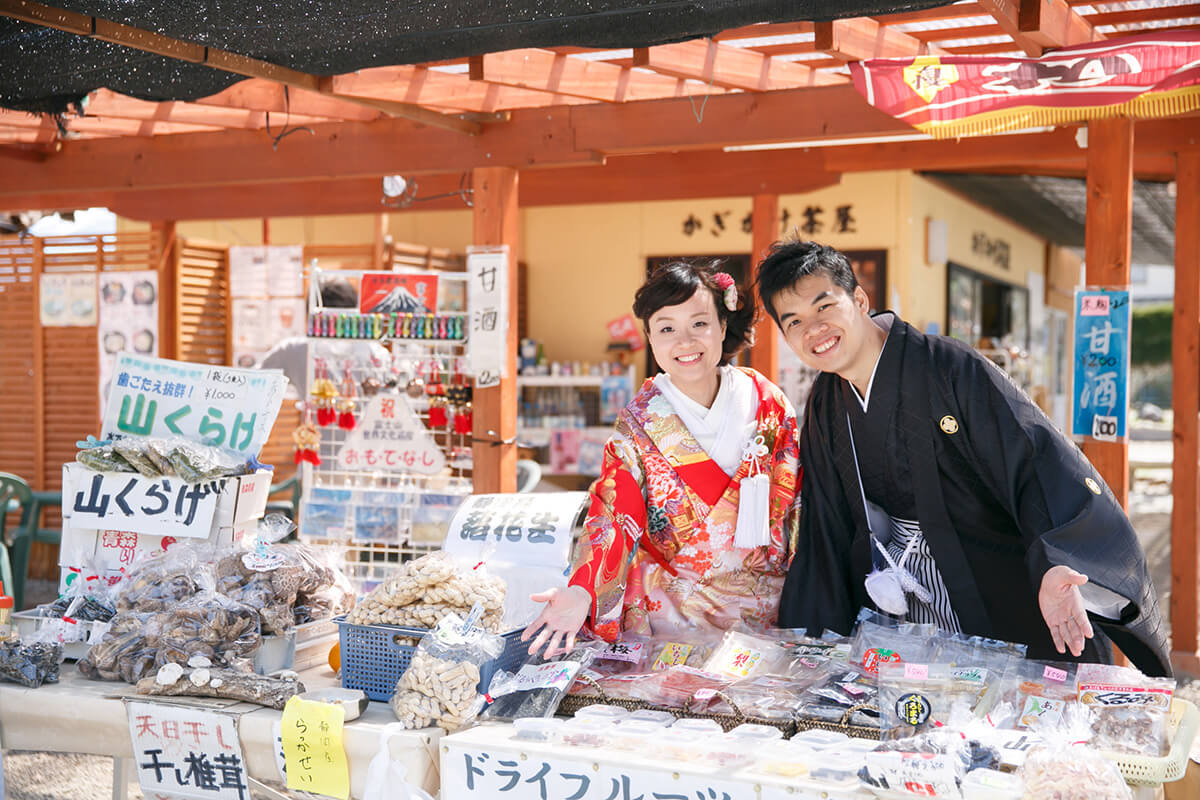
x=398 y=292
x=531 y=529
x=475 y=771
x=121 y=500
x=186 y=752
x=487 y=300
x=626 y=329
x=390 y=438
x=312 y=747
x=220 y=406
x=1102 y=321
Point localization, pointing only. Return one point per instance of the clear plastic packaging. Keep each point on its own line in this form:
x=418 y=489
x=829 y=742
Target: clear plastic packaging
x=876 y=644
x=664 y=719
x=441 y=684
x=836 y=765
x=820 y=740
x=991 y=784
x=929 y=765
x=578 y=732
x=744 y=655
x=679 y=687
x=603 y=712
x=914 y=697
x=679 y=744
x=704 y=727
x=537 y=688
x=629 y=655
x=1034 y=694
x=160 y=582
x=209 y=625
x=1066 y=772
x=766 y=696
x=755 y=735
x=785 y=758
x=634 y=735
x=538 y=729
x=1127 y=712
x=127 y=651
x=30 y=663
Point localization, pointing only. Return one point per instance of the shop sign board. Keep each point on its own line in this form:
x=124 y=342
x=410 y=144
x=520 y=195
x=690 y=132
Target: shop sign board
x=532 y=529
x=390 y=438
x=487 y=300
x=186 y=752
x=315 y=757
x=1101 y=387
x=160 y=506
x=470 y=770
x=220 y=406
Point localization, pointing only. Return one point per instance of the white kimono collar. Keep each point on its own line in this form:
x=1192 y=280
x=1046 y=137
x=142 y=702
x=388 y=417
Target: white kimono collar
x=722 y=430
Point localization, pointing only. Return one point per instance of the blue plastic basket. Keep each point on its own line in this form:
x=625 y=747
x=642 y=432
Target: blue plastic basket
x=375 y=656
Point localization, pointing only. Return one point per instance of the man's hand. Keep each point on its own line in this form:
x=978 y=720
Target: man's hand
x=1063 y=609
x=565 y=612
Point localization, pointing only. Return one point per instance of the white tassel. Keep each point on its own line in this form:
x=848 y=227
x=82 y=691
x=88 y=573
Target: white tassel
x=754 y=513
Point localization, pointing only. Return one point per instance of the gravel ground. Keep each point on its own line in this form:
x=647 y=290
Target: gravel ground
x=57 y=776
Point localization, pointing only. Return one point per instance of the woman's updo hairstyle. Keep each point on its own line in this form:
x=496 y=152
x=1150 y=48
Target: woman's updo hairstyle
x=675 y=282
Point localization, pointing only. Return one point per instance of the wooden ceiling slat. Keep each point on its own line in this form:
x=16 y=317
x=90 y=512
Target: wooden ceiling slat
x=1038 y=26
x=933 y=14
x=862 y=38
x=1143 y=15
x=436 y=89
x=950 y=34
x=108 y=104
x=546 y=71
x=765 y=29
x=729 y=67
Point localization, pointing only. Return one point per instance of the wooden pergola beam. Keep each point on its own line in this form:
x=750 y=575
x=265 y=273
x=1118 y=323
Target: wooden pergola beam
x=151 y=42
x=861 y=38
x=729 y=67
x=547 y=71
x=256 y=94
x=1038 y=25
x=437 y=89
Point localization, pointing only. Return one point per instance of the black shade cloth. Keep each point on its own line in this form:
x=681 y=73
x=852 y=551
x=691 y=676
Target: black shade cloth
x=42 y=69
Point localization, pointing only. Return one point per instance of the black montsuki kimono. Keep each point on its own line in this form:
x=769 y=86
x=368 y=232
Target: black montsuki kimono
x=1001 y=496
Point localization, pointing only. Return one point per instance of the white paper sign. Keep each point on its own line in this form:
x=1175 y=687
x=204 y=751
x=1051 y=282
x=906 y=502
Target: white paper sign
x=221 y=406
x=390 y=438
x=186 y=752
x=68 y=299
x=128 y=319
x=248 y=271
x=474 y=771
x=531 y=529
x=487 y=300
x=285 y=270
x=127 y=502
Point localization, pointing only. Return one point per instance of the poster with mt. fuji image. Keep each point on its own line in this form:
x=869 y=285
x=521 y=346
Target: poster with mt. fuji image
x=391 y=292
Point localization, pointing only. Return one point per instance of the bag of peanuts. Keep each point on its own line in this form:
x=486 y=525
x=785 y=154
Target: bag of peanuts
x=441 y=685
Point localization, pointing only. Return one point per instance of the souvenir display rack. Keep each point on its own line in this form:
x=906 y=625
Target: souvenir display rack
x=378 y=516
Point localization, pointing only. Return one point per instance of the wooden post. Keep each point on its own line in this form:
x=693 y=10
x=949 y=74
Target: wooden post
x=266 y=230
x=164 y=254
x=1185 y=394
x=1107 y=253
x=379 y=256
x=38 y=480
x=495 y=408
x=764 y=356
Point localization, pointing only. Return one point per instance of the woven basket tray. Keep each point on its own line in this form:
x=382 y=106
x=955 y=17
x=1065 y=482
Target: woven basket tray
x=1146 y=771
x=857 y=731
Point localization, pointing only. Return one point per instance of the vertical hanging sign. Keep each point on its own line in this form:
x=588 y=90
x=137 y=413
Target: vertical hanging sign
x=487 y=303
x=1101 y=389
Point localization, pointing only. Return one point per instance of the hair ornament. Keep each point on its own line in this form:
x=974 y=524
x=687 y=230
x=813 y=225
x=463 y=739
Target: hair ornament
x=725 y=282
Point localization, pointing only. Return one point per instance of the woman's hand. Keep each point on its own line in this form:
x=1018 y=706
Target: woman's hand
x=565 y=612
x=1063 y=609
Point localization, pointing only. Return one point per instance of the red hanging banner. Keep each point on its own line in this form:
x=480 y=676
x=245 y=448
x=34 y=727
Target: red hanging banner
x=1143 y=77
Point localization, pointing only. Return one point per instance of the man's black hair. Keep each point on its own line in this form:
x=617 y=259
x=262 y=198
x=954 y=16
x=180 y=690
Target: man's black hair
x=338 y=293
x=789 y=262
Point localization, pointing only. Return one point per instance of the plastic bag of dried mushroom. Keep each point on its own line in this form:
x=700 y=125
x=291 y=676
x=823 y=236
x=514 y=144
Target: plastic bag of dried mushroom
x=427 y=589
x=441 y=685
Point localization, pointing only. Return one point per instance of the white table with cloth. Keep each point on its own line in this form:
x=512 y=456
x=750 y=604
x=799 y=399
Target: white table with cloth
x=77 y=715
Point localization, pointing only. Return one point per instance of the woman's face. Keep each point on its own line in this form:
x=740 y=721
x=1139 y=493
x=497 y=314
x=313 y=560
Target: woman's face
x=686 y=339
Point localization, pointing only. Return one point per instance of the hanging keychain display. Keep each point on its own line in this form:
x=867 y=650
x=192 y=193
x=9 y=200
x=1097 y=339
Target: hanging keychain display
x=307 y=439
x=324 y=393
x=346 y=405
x=436 y=390
x=460 y=395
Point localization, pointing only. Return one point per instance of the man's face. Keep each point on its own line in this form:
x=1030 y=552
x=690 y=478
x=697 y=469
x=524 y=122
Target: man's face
x=823 y=324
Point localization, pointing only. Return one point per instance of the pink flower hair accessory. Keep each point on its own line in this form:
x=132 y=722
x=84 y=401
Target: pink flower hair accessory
x=725 y=282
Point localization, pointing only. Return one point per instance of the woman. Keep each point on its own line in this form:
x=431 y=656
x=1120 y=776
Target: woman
x=691 y=522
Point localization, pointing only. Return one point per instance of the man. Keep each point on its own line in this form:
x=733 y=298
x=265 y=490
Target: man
x=923 y=460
